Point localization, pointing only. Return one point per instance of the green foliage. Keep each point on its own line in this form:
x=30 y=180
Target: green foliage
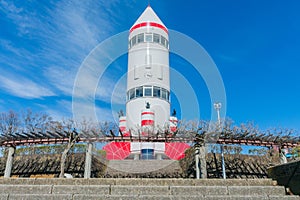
x=228 y=149
x=296 y=151
x=258 y=151
x=101 y=152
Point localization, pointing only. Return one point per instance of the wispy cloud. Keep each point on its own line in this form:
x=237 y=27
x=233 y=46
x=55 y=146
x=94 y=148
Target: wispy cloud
x=112 y=91
x=64 y=33
x=82 y=29
x=24 y=88
x=47 y=44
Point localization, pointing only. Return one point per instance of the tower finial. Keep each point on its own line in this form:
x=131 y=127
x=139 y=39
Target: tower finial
x=149 y=3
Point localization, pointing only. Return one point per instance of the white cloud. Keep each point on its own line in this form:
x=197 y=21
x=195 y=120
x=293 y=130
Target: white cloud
x=53 y=40
x=24 y=88
x=112 y=91
x=61 y=34
x=78 y=29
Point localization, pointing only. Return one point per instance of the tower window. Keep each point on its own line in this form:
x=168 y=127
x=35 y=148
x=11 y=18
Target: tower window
x=133 y=41
x=139 y=91
x=168 y=96
x=156 y=91
x=156 y=38
x=164 y=93
x=131 y=93
x=148 y=37
x=140 y=38
x=163 y=41
x=148 y=91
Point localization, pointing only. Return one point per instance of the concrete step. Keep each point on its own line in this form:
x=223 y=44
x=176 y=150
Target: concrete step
x=144 y=190
x=136 y=197
x=140 y=166
x=144 y=168
x=175 y=189
x=139 y=181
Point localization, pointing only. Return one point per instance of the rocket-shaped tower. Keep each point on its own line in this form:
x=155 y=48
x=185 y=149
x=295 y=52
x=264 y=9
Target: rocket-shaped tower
x=148 y=82
x=148 y=94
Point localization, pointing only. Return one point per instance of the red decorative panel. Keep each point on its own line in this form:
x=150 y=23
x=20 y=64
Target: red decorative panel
x=117 y=150
x=175 y=150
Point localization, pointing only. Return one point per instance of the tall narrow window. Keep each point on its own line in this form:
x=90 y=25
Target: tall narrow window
x=148 y=37
x=168 y=96
x=156 y=38
x=140 y=38
x=131 y=93
x=163 y=41
x=156 y=91
x=148 y=91
x=164 y=93
x=139 y=91
x=167 y=44
x=133 y=41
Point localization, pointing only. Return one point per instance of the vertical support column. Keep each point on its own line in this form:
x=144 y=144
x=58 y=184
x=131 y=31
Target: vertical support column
x=136 y=156
x=9 y=162
x=159 y=156
x=88 y=161
x=223 y=162
x=197 y=163
x=203 y=161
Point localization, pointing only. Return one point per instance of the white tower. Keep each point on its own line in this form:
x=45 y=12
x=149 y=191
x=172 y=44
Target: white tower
x=148 y=81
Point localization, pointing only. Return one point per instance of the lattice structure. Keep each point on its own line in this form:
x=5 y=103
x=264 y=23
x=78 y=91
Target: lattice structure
x=226 y=137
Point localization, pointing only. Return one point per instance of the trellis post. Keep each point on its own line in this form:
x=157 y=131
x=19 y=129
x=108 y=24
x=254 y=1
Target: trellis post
x=9 y=162
x=88 y=161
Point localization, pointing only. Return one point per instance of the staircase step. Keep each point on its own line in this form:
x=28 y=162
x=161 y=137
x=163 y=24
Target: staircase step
x=40 y=197
x=198 y=190
x=26 y=189
x=140 y=188
x=136 y=197
x=256 y=190
x=139 y=181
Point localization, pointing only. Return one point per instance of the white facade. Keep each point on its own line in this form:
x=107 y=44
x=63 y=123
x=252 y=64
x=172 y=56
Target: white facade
x=148 y=78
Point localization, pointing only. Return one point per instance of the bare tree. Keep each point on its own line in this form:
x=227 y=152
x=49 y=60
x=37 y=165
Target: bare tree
x=9 y=123
x=36 y=121
x=68 y=126
x=73 y=138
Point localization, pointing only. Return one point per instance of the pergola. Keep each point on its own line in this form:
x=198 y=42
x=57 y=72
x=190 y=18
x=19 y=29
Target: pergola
x=11 y=141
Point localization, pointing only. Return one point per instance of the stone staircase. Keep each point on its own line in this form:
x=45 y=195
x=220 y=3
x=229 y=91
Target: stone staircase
x=143 y=169
x=130 y=188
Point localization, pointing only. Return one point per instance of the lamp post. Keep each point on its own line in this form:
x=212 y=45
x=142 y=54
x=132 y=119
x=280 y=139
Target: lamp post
x=218 y=106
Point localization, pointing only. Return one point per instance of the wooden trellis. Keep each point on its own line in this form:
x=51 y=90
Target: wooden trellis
x=59 y=137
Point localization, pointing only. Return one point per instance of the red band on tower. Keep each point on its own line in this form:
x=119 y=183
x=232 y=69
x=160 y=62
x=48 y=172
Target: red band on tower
x=153 y=24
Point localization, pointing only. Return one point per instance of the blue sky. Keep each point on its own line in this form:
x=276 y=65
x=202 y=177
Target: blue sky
x=255 y=45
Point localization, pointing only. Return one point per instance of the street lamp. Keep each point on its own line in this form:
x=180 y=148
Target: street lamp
x=218 y=106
